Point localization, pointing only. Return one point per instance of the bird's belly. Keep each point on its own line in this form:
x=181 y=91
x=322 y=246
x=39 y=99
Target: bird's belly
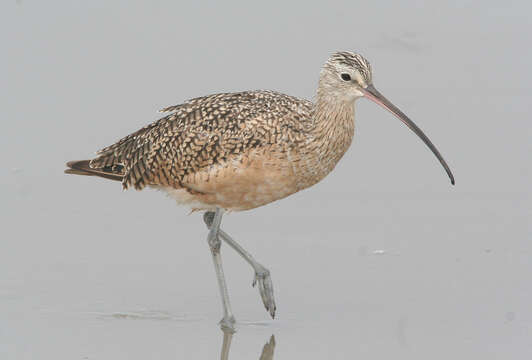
x=243 y=183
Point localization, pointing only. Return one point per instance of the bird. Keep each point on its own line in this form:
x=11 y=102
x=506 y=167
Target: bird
x=231 y=152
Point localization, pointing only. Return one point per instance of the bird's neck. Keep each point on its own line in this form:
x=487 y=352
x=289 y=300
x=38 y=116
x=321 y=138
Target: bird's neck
x=334 y=126
x=330 y=135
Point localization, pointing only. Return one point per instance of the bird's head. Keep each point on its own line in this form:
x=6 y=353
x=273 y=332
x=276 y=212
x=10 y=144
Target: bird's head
x=344 y=76
x=347 y=76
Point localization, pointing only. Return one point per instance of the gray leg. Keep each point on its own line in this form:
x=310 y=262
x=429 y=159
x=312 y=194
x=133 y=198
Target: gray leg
x=228 y=321
x=262 y=275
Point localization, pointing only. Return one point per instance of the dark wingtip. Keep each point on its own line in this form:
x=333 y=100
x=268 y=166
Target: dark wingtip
x=82 y=167
x=70 y=164
x=78 y=167
x=76 y=172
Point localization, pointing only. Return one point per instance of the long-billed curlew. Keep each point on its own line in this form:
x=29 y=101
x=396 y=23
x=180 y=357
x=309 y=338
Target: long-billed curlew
x=239 y=151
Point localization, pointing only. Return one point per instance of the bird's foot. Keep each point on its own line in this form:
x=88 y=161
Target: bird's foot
x=228 y=324
x=263 y=278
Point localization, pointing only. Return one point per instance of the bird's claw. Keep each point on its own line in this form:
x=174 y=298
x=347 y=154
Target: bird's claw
x=264 y=280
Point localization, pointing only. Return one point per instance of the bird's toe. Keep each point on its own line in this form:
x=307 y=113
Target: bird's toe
x=264 y=280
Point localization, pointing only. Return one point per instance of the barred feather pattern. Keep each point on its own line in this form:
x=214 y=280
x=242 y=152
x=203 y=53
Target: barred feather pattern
x=204 y=131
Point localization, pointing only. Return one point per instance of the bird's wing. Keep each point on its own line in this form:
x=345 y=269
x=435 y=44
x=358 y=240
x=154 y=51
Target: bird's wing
x=200 y=133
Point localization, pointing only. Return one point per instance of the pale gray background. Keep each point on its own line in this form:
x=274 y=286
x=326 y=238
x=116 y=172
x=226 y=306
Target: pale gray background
x=383 y=259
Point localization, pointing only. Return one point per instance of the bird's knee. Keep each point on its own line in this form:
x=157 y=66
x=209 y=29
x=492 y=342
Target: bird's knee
x=262 y=272
x=208 y=217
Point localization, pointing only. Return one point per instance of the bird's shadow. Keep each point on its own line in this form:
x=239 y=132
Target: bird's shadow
x=267 y=350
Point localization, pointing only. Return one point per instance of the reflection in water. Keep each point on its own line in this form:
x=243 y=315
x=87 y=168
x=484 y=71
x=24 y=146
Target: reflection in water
x=267 y=350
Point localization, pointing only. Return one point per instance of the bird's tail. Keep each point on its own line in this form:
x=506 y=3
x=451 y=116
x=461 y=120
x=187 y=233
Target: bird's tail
x=81 y=167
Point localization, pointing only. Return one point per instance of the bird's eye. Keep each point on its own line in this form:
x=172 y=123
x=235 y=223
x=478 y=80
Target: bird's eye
x=346 y=77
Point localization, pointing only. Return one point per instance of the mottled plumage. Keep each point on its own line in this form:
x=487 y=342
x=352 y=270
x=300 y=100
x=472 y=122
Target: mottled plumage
x=233 y=150
x=206 y=132
x=241 y=150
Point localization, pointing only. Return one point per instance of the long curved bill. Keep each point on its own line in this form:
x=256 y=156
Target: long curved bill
x=373 y=94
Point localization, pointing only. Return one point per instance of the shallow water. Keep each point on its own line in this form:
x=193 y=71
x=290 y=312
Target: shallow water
x=382 y=259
